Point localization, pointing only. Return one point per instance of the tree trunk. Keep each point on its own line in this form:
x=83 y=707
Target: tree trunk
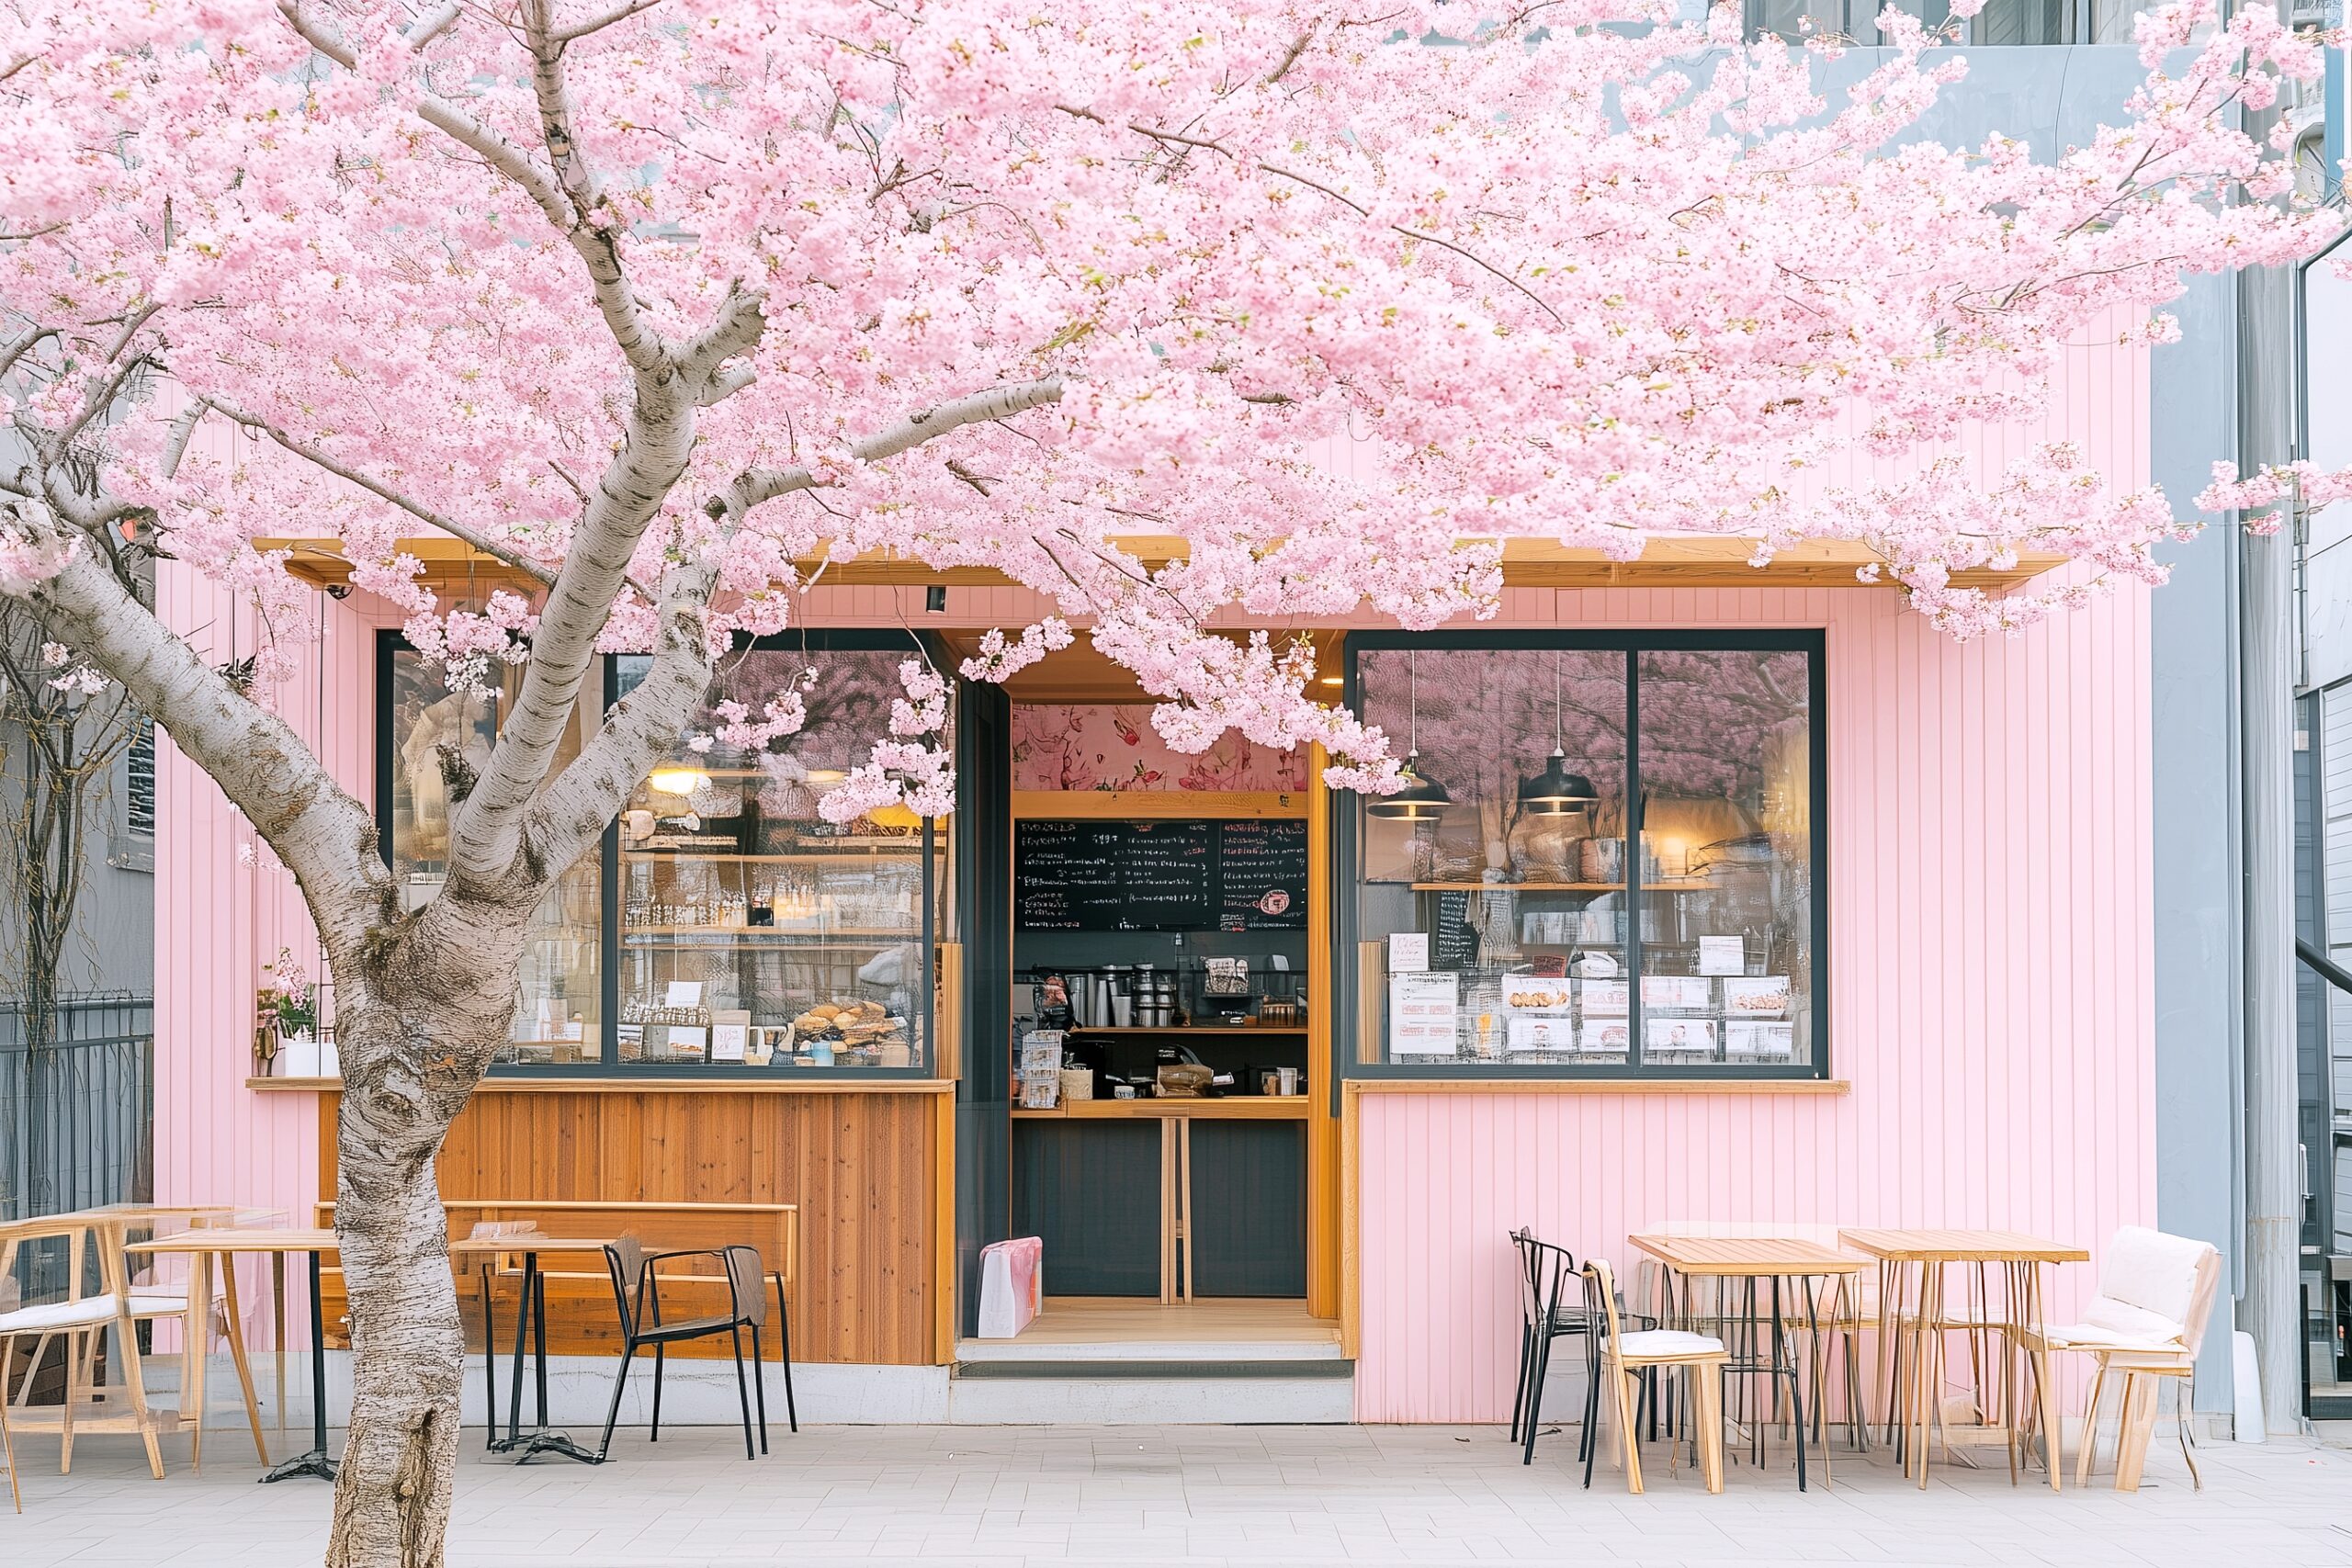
x=416 y=1032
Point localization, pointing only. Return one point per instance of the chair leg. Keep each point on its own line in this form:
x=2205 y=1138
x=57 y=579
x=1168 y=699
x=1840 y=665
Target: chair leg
x=1707 y=1396
x=7 y=1444
x=2184 y=1414
x=1533 y=1408
x=73 y=1365
x=1519 y=1389
x=759 y=1386
x=1591 y=1442
x=1629 y=1438
x=2139 y=1424
x=742 y=1392
x=657 y=1395
x=2085 y=1459
x=613 y=1411
x=784 y=1349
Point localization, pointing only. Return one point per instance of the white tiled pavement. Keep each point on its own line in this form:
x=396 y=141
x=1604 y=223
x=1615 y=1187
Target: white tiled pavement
x=1140 y=1496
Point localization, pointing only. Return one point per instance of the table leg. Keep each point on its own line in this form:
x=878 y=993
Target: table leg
x=533 y=1309
x=316 y=1461
x=521 y=1322
x=196 y=1339
x=489 y=1363
x=277 y=1327
x=237 y=1356
x=2038 y=1361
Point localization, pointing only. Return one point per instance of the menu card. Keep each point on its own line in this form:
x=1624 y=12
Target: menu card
x=1423 y=1007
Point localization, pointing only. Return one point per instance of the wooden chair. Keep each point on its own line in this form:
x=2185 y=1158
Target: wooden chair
x=1626 y=1356
x=80 y=1320
x=2155 y=1296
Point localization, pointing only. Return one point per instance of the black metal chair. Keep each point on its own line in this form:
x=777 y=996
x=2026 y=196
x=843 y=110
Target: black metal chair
x=1547 y=1276
x=637 y=1294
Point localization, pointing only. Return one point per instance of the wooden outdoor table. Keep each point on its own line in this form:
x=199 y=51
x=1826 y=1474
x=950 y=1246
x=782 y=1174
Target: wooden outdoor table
x=226 y=1243
x=1751 y=1259
x=1912 y=1264
x=531 y=1309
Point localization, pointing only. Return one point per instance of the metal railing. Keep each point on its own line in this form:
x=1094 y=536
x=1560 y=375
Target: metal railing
x=77 y=1111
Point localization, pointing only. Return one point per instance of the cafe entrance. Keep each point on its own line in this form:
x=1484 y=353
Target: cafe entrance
x=1156 y=1028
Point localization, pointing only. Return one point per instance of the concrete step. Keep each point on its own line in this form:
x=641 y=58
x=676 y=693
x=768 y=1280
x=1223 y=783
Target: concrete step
x=1029 y=1400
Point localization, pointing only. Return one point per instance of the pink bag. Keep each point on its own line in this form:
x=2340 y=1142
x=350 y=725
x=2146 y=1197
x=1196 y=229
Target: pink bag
x=1012 y=1285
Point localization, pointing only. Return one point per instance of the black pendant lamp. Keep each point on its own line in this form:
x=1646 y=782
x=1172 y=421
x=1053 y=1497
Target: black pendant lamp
x=1555 y=791
x=1422 y=799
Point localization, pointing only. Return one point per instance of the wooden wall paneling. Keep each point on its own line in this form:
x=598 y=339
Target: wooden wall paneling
x=863 y=1170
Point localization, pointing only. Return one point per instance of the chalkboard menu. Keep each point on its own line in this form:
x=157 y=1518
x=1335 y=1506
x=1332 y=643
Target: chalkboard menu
x=1068 y=875
x=1261 y=875
x=1455 y=942
x=1168 y=874
x=1244 y=874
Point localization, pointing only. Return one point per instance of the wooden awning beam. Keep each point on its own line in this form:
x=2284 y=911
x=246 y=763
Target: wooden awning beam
x=1668 y=562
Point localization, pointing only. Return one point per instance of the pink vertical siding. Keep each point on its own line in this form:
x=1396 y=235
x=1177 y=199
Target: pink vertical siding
x=1989 y=996
x=219 y=920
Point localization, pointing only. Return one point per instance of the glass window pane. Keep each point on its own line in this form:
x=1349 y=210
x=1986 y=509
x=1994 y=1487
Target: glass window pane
x=1510 y=894
x=1725 y=769
x=559 y=1003
x=754 y=933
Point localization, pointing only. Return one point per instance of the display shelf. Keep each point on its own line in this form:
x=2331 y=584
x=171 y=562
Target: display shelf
x=1689 y=885
x=855 y=852
x=853 y=933
x=1189 y=1029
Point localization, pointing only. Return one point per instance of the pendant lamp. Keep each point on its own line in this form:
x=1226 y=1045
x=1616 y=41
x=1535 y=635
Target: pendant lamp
x=1422 y=799
x=1555 y=791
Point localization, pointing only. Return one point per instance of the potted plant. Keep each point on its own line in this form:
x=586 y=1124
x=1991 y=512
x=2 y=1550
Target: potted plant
x=293 y=997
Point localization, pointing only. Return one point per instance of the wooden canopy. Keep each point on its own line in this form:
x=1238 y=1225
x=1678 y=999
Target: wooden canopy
x=1669 y=562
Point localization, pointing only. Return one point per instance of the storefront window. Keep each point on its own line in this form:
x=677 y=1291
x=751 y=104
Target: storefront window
x=754 y=934
x=559 y=1006
x=1497 y=925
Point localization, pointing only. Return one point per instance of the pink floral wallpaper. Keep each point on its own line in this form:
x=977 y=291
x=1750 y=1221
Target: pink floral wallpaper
x=1113 y=747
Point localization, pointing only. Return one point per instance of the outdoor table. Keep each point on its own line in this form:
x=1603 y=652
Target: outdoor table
x=1911 y=1268
x=226 y=1243
x=1748 y=1259
x=531 y=1309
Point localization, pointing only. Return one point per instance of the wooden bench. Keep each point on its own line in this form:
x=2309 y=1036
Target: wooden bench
x=581 y=1319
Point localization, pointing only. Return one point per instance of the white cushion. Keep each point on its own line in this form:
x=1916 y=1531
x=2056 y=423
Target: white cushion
x=2150 y=1271
x=49 y=1315
x=1666 y=1342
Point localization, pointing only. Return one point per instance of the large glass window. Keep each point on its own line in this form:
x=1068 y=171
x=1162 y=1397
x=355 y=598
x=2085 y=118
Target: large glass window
x=432 y=735
x=753 y=934
x=1605 y=860
x=723 y=926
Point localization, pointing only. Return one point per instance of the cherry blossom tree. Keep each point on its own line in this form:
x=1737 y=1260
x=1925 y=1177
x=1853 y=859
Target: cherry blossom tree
x=667 y=303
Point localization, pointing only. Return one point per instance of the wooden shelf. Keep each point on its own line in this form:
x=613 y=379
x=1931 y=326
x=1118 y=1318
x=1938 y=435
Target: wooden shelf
x=1189 y=1029
x=1234 y=1108
x=837 y=933
x=912 y=852
x=1699 y=885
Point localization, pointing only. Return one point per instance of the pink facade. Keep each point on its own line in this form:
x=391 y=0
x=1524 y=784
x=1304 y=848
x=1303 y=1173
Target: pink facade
x=1989 y=995
x=1989 y=969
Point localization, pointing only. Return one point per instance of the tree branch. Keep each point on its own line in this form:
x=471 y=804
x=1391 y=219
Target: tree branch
x=326 y=838
x=474 y=538
x=598 y=23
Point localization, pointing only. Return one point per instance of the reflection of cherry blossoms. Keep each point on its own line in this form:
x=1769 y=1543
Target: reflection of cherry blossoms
x=907 y=769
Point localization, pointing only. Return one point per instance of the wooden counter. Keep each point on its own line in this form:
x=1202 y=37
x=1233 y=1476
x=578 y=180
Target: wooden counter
x=1241 y=1108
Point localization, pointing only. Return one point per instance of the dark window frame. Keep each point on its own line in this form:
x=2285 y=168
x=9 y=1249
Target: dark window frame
x=1346 y=839
x=389 y=642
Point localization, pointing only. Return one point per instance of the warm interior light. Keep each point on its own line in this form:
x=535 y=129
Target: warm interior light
x=1333 y=680
x=678 y=781
x=898 y=814
x=824 y=775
